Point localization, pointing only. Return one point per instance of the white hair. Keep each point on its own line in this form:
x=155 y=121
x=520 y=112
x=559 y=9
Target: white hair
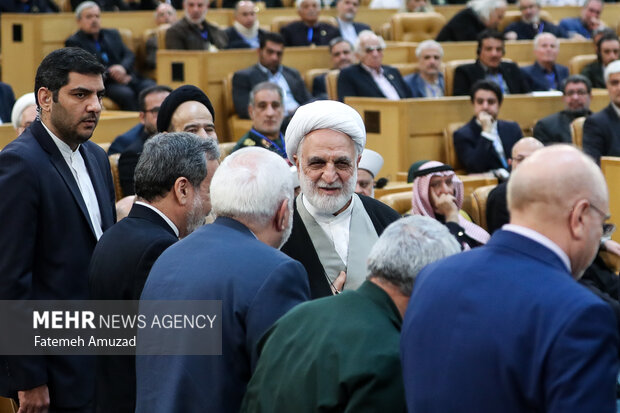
x=612 y=68
x=408 y=245
x=483 y=8
x=298 y=3
x=20 y=105
x=428 y=44
x=83 y=6
x=324 y=114
x=361 y=38
x=541 y=35
x=250 y=185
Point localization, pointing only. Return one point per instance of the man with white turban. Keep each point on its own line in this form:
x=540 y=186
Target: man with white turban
x=24 y=112
x=333 y=228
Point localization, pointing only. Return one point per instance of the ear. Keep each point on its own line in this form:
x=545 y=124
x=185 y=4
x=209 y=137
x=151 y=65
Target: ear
x=296 y=160
x=576 y=219
x=359 y=158
x=182 y=189
x=45 y=98
x=251 y=111
x=282 y=216
x=142 y=116
x=510 y=161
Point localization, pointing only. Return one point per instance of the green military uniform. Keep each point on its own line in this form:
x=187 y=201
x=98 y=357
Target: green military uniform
x=594 y=72
x=252 y=139
x=338 y=353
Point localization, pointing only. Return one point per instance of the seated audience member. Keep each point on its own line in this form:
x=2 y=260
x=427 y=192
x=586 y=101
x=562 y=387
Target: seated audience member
x=267 y=113
x=368 y=168
x=484 y=143
x=555 y=128
x=193 y=32
x=245 y=31
x=341 y=52
x=601 y=130
x=269 y=69
x=466 y=25
x=122 y=84
x=150 y=102
x=165 y=14
x=28 y=6
x=489 y=66
x=607 y=51
x=438 y=193
x=236 y=260
x=309 y=30
x=545 y=73
x=497 y=207
x=369 y=78
x=349 y=29
x=428 y=82
x=7 y=100
x=173 y=168
x=187 y=109
x=407 y=6
x=531 y=24
x=349 y=362
x=587 y=22
x=24 y=112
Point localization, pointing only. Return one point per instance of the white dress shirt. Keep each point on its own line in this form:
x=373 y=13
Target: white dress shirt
x=384 y=84
x=162 y=215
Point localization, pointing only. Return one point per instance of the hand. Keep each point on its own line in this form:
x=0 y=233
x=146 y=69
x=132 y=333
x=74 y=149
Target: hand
x=35 y=400
x=510 y=36
x=118 y=74
x=612 y=247
x=445 y=204
x=486 y=121
x=338 y=283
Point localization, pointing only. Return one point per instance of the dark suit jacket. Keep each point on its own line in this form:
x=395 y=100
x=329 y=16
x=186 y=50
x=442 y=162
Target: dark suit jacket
x=244 y=80
x=526 y=31
x=359 y=27
x=594 y=72
x=296 y=34
x=476 y=152
x=418 y=86
x=466 y=75
x=497 y=208
x=535 y=76
x=47 y=240
x=257 y=285
x=121 y=262
x=127 y=163
x=111 y=43
x=7 y=100
x=491 y=302
x=555 y=128
x=184 y=35
x=464 y=26
x=31 y=6
x=356 y=81
x=299 y=245
x=121 y=142
x=236 y=41
x=601 y=134
x=319 y=86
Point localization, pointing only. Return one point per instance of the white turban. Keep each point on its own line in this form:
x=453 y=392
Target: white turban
x=324 y=114
x=19 y=106
x=371 y=161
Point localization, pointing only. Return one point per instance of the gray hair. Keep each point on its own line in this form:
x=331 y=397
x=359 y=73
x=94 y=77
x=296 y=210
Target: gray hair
x=298 y=3
x=428 y=44
x=169 y=156
x=406 y=246
x=250 y=185
x=362 y=36
x=266 y=86
x=543 y=34
x=83 y=6
x=612 y=68
x=483 y=8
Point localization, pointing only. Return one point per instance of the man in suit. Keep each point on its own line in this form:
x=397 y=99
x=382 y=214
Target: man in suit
x=489 y=66
x=483 y=144
x=428 y=82
x=349 y=29
x=577 y=91
x=269 y=69
x=7 y=100
x=545 y=74
x=333 y=228
x=234 y=260
x=150 y=101
x=58 y=199
x=607 y=51
x=587 y=22
x=506 y=326
x=601 y=130
x=193 y=32
x=531 y=24
x=326 y=362
x=123 y=85
x=172 y=199
x=187 y=109
x=341 y=52
x=467 y=24
x=245 y=31
x=370 y=78
x=309 y=30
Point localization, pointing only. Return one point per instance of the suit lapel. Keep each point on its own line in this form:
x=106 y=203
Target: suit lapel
x=98 y=184
x=370 y=81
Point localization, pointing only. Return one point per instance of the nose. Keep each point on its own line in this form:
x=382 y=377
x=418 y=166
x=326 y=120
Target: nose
x=94 y=104
x=202 y=133
x=329 y=174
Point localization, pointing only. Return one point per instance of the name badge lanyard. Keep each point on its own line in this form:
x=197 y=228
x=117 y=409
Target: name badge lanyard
x=281 y=149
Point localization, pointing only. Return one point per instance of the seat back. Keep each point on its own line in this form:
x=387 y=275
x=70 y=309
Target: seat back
x=406 y=68
x=450 y=67
x=118 y=191
x=226 y=149
x=416 y=27
x=513 y=16
x=399 y=201
x=576 y=131
x=577 y=63
x=310 y=75
x=449 y=151
x=332 y=84
x=478 y=205
x=237 y=127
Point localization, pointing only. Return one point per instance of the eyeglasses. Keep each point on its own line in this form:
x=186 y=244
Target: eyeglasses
x=577 y=92
x=370 y=49
x=608 y=228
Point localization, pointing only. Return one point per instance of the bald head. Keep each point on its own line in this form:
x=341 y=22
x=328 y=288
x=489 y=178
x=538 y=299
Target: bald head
x=522 y=149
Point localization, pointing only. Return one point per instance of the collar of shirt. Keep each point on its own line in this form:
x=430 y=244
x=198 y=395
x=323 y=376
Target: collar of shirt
x=65 y=150
x=616 y=109
x=488 y=69
x=161 y=214
x=373 y=71
x=541 y=239
x=322 y=217
x=267 y=71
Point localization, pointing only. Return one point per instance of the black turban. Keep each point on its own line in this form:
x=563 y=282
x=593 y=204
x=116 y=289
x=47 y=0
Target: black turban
x=178 y=96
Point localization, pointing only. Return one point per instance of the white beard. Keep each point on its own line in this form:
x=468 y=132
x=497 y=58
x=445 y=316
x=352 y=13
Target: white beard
x=327 y=204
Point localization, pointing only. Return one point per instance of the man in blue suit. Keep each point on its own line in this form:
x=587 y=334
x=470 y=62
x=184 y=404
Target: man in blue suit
x=172 y=188
x=545 y=73
x=58 y=198
x=234 y=260
x=485 y=143
x=428 y=82
x=370 y=78
x=506 y=327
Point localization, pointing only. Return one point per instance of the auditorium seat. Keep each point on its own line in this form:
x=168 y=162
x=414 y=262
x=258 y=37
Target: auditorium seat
x=237 y=127
x=450 y=68
x=310 y=75
x=332 y=84
x=513 y=16
x=576 y=131
x=450 y=152
x=577 y=63
x=399 y=201
x=115 y=177
x=478 y=205
x=416 y=27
